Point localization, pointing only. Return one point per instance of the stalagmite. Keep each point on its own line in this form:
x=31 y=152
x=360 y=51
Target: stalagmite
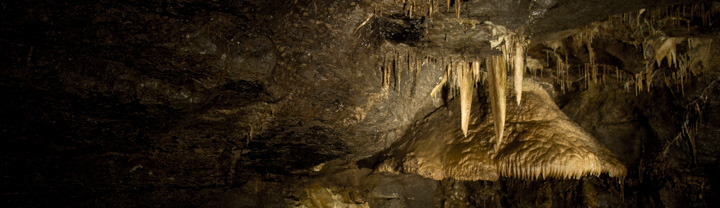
x=466 y=91
x=519 y=64
x=497 y=75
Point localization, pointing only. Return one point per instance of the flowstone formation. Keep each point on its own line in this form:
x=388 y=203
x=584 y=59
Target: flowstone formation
x=541 y=142
x=646 y=29
x=463 y=77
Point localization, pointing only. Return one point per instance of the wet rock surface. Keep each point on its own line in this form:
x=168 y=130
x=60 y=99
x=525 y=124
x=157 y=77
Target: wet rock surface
x=273 y=103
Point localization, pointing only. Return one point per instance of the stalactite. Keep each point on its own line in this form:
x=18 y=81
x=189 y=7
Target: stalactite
x=519 y=65
x=561 y=70
x=412 y=8
x=466 y=93
x=497 y=75
x=566 y=69
x=452 y=76
x=476 y=72
x=585 y=38
x=457 y=8
x=410 y=67
x=668 y=50
x=430 y=10
x=398 y=74
x=440 y=85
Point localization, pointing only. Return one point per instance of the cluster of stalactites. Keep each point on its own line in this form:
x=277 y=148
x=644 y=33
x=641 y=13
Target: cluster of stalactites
x=420 y=8
x=552 y=146
x=685 y=64
x=462 y=76
x=397 y=64
x=426 y=8
x=640 y=28
x=468 y=74
x=423 y=8
x=679 y=15
x=664 y=54
x=542 y=171
x=512 y=47
x=402 y=62
x=658 y=46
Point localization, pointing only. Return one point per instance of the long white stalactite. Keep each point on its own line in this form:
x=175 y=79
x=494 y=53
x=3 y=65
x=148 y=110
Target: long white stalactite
x=466 y=94
x=496 y=67
x=519 y=65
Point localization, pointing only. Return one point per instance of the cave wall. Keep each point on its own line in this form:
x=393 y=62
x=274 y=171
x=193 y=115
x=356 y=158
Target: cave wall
x=272 y=103
x=667 y=167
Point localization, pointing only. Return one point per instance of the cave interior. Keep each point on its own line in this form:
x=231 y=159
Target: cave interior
x=360 y=103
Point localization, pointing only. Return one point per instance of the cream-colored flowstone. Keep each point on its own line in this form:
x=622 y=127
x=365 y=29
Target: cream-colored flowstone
x=541 y=142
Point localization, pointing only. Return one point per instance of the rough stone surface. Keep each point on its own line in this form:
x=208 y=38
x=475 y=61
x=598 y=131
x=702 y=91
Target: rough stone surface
x=240 y=103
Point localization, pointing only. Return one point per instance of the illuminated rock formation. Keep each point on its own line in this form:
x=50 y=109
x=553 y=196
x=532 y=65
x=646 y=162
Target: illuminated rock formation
x=541 y=142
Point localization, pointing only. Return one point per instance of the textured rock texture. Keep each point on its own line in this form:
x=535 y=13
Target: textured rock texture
x=290 y=103
x=541 y=142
